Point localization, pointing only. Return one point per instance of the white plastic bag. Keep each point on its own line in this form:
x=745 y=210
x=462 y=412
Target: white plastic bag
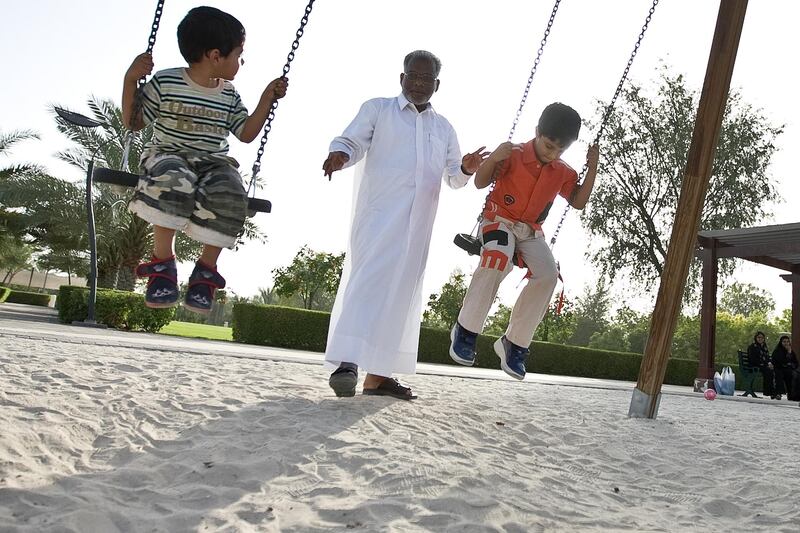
x=718 y=382
x=728 y=382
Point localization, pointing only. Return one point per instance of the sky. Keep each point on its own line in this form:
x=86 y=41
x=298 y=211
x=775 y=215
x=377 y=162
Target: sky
x=63 y=52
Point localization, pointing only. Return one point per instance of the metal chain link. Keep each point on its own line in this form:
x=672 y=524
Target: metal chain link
x=271 y=114
x=607 y=112
x=524 y=99
x=533 y=69
x=140 y=83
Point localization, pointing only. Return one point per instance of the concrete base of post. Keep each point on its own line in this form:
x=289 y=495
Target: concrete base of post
x=640 y=405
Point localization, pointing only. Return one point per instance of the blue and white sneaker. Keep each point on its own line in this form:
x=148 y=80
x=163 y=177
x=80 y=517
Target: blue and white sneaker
x=512 y=357
x=203 y=282
x=462 y=345
x=162 y=283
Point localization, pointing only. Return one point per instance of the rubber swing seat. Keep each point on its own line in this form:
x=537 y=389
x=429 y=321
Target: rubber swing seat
x=127 y=179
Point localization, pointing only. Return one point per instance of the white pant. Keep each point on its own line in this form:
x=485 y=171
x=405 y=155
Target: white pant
x=501 y=238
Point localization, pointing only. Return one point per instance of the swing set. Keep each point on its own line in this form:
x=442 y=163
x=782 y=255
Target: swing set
x=471 y=242
x=128 y=179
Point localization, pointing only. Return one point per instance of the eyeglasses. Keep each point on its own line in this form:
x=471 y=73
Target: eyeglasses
x=426 y=79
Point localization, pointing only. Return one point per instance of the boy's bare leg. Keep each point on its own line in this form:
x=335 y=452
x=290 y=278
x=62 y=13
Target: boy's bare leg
x=210 y=255
x=163 y=242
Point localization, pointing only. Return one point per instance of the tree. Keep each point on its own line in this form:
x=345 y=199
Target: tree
x=644 y=155
x=443 y=307
x=15 y=256
x=265 y=296
x=591 y=314
x=314 y=276
x=497 y=324
x=784 y=324
x=626 y=332
x=15 y=253
x=558 y=325
x=746 y=299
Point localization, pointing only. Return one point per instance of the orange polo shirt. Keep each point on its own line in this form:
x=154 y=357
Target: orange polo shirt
x=525 y=189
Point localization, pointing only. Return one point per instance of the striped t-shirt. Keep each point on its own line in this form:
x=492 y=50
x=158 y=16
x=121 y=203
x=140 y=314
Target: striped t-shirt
x=190 y=118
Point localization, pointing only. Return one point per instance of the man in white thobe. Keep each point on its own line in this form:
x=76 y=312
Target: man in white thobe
x=407 y=148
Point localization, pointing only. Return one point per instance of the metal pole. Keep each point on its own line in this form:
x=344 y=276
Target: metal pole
x=90 y=319
x=92 y=244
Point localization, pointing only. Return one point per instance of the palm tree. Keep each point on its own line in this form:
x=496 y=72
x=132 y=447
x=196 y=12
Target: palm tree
x=15 y=253
x=7 y=140
x=123 y=239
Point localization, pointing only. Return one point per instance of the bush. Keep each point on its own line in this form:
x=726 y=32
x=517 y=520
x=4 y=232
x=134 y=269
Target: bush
x=283 y=327
x=116 y=309
x=286 y=327
x=4 y=292
x=30 y=298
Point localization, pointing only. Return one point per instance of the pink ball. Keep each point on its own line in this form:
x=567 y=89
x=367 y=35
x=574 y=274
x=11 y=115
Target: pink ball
x=710 y=394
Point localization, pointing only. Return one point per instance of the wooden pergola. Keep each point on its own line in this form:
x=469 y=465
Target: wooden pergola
x=777 y=246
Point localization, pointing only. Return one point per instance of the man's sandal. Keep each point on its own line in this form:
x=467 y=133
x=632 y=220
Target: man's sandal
x=391 y=387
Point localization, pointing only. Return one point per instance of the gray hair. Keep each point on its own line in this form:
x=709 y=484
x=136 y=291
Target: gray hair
x=423 y=54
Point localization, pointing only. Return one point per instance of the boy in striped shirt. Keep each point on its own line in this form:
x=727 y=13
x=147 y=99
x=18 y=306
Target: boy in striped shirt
x=190 y=182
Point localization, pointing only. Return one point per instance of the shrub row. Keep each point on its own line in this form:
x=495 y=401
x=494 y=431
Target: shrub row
x=4 y=292
x=24 y=297
x=116 y=309
x=286 y=327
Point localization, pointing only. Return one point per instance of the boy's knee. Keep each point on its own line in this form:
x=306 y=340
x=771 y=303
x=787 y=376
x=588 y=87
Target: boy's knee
x=545 y=275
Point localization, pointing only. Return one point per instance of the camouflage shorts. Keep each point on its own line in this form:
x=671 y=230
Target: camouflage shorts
x=201 y=195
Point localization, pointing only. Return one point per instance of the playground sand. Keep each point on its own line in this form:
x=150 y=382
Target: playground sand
x=117 y=439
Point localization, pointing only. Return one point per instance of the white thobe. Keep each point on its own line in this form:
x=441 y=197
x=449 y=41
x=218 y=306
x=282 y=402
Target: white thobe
x=375 y=320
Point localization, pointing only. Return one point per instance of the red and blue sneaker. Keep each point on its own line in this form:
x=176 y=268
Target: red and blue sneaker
x=202 y=283
x=162 y=285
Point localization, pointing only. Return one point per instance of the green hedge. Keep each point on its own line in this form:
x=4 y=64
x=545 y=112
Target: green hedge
x=4 y=292
x=116 y=309
x=286 y=327
x=30 y=298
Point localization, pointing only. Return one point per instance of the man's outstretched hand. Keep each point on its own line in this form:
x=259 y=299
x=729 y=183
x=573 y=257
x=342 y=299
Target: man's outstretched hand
x=335 y=161
x=472 y=161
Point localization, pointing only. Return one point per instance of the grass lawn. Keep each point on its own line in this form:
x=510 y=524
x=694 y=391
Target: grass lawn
x=200 y=331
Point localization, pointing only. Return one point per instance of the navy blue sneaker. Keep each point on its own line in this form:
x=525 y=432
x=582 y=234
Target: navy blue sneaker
x=162 y=285
x=462 y=345
x=512 y=357
x=202 y=284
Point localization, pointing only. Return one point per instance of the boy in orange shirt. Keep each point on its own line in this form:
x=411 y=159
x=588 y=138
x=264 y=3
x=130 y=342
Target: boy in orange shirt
x=529 y=176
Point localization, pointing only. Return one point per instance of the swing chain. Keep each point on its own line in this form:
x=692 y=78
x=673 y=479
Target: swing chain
x=536 y=61
x=607 y=113
x=533 y=70
x=271 y=114
x=151 y=41
x=137 y=96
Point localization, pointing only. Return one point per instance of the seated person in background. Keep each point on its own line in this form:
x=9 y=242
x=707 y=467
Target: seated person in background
x=758 y=356
x=785 y=362
x=780 y=363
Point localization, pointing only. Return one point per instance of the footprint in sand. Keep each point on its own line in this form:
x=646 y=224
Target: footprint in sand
x=127 y=368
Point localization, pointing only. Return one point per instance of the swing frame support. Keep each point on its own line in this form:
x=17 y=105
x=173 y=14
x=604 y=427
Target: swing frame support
x=700 y=159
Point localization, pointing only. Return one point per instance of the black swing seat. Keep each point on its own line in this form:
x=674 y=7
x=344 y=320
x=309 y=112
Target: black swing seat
x=469 y=243
x=126 y=179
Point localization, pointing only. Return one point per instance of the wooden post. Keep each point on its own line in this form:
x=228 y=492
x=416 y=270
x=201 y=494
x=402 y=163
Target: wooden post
x=721 y=60
x=794 y=279
x=708 y=318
